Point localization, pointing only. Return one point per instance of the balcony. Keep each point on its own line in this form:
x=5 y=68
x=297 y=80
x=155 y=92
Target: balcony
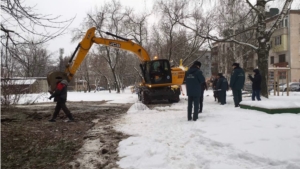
x=281 y=64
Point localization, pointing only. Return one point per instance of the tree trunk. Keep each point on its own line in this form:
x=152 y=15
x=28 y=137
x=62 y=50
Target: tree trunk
x=115 y=79
x=263 y=49
x=263 y=55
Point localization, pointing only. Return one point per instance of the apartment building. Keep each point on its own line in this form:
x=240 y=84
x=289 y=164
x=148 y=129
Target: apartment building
x=224 y=54
x=284 y=52
x=285 y=45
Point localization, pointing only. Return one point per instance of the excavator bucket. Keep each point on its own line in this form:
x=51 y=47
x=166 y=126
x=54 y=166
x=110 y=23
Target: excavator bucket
x=53 y=78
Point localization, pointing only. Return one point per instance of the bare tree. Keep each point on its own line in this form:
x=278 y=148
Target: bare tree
x=136 y=25
x=17 y=13
x=33 y=60
x=85 y=72
x=113 y=18
x=262 y=35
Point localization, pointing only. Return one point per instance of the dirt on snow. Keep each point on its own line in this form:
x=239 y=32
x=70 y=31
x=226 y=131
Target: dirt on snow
x=28 y=140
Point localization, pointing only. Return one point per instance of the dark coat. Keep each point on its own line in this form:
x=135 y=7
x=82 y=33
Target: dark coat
x=60 y=93
x=222 y=84
x=204 y=86
x=194 y=79
x=215 y=84
x=237 y=79
x=256 y=81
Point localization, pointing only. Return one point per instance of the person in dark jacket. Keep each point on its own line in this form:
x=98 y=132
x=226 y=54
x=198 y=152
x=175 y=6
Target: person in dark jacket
x=194 y=79
x=60 y=96
x=256 y=81
x=237 y=82
x=222 y=87
x=203 y=87
x=214 y=86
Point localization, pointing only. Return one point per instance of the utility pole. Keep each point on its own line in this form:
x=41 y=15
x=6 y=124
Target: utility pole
x=61 y=53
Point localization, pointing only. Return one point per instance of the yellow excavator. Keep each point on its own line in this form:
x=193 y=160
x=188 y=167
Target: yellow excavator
x=160 y=80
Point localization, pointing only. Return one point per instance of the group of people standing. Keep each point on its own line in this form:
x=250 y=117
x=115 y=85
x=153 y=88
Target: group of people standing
x=237 y=80
x=195 y=86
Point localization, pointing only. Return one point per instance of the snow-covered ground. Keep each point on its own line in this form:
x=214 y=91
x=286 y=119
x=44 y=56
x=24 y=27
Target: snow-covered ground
x=224 y=137
x=113 y=97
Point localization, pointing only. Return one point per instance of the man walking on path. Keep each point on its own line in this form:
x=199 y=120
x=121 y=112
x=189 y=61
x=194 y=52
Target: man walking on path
x=60 y=96
x=194 y=79
x=237 y=81
x=222 y=87
x=256 y=81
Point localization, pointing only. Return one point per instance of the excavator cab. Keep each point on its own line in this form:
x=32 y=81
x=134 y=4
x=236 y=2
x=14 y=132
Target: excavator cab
x=157 y=71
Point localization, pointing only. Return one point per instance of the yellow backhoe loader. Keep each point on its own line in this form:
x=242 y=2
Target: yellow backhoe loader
x=160 y=80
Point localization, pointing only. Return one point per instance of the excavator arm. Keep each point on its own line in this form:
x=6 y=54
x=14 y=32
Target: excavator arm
x=83 y=48
x=89 y=39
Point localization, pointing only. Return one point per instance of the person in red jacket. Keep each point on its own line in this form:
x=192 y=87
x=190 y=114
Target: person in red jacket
x=60 y=97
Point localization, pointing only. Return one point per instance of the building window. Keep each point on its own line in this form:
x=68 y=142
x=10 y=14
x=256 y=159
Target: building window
x=272 y=60
x=281 y=24
x=277 y=40
x=286 y=22
x=281 y=58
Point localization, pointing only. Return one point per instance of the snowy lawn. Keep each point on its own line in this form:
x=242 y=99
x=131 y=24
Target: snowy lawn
x=224 y=137
x=276 y=102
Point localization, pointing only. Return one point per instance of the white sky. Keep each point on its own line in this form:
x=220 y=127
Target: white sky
x=79 y=8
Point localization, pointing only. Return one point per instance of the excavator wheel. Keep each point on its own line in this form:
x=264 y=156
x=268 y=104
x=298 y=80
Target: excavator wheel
x=145 y=98
x=174 y=100
x=140 y=96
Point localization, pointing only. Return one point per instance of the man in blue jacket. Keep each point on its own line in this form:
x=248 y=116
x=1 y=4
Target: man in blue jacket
x=194 y=79
x=237 y=81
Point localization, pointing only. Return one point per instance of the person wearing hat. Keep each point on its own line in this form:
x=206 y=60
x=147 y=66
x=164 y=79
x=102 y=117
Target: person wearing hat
x=194 y=79
x=237 y=81
x=222 y=87
x=60 y=97
x=256 y=81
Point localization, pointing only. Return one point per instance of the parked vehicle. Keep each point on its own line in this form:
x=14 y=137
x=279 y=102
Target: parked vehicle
x=100 y=88
x=294 y=86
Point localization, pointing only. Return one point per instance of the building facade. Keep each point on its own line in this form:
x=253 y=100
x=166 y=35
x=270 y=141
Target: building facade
x=285 y=46
x=284 y=51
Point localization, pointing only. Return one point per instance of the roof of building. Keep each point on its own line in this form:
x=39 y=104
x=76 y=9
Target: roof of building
x=276 y=16
x=21 y=81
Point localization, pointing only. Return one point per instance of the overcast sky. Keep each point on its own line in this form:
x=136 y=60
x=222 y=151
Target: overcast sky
x=79 y=8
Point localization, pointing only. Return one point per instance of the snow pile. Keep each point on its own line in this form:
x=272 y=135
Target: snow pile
x=137 y=107
x=224 y=137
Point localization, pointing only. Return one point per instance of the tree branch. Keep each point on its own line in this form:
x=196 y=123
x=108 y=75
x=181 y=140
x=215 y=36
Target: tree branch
x=252 y=7
x=281 y=16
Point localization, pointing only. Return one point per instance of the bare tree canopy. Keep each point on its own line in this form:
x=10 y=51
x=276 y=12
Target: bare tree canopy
x=19 y=20
x=257 y=23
